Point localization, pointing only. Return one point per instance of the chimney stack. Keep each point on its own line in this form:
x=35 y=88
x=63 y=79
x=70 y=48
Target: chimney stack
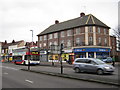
x=82 y=14
x=56 y=21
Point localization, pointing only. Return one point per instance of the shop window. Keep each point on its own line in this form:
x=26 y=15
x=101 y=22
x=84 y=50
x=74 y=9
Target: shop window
x=91 y=54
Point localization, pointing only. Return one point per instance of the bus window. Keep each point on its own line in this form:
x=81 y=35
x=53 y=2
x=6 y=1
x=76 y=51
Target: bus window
x=27 y=57
x=35 y=57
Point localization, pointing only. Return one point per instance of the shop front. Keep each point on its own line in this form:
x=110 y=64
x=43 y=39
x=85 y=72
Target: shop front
x=91 y=52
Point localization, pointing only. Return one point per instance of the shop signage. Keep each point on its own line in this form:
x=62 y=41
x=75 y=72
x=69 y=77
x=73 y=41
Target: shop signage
x=91 y=50
x=34 y=53
x=19 y=53
x=43 y=52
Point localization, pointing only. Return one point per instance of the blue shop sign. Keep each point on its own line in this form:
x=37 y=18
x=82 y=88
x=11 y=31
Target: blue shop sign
x=91 y=50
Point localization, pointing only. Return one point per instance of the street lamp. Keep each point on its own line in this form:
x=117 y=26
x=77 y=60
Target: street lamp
x=32 y=37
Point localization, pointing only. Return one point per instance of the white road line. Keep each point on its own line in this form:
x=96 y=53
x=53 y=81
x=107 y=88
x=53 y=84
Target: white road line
x=5 y=73
x=10 y=68
x=29 y=81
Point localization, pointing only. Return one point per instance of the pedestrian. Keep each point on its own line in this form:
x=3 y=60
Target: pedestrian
x=113 y=61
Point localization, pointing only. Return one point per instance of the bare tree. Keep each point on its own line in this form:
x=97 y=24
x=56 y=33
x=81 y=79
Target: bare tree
x=116 y=33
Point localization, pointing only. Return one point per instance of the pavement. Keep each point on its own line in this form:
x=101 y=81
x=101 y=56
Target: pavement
x=48 y=69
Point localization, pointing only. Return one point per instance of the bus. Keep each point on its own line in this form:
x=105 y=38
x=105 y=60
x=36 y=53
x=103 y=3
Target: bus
x=23 y=56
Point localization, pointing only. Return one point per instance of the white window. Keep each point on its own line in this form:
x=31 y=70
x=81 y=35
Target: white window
x=62 y=34
x=90 y=29
x=99 y=40
x=77 y=30
x=62 y=42
x=40 y=45
x=55 y=43
x=40 y=38
x=105 y=41
x=50 y=43
x=69 y=43
x=44 y=44
x=99 y=30
x=105 y=31
x=90 y=40
x=77 y=41
x=55 y=35
x=45 y=37
x=50 y=36
x=69 y=33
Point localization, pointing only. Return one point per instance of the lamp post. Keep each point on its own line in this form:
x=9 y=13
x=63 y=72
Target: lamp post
x=61 y=51
x=32 y=37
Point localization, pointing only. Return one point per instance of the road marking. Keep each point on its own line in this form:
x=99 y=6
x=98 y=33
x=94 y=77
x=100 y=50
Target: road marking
x=10 y=68
x=5 y=73
x=29 y=81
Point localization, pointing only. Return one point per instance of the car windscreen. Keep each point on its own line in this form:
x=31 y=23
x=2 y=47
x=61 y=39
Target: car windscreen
x=99 y=61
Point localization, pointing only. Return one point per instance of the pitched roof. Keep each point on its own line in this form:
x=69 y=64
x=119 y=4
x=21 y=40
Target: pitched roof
x=86 y=20
x=5 y=45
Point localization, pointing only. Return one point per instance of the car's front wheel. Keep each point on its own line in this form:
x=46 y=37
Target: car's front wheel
x=77 y=70
x=100 y=72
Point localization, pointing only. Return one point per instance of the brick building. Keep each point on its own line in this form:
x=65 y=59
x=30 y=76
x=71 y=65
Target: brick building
x=84 y=36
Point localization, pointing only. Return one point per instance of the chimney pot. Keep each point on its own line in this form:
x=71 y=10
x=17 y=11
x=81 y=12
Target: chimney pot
x=82 y=14
x=56 y=21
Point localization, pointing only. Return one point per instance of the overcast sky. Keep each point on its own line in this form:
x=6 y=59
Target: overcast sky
x=18 y=17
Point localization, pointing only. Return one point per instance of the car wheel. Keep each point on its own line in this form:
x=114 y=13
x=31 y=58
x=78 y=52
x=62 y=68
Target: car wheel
x=100 y=72
x=77 y=70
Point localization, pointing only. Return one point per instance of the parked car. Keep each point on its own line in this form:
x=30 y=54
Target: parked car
x=92 y=65
x=107 y=60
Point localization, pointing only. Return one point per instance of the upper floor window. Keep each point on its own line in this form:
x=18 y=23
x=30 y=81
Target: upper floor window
x=40 y=38
x=45 y=37
x=77 y=30
x=44 y=44
x=105 y=32
x=40 y=45
x=90 y=29
x=50 y=36
x=55 y=35
x=62 y=34
x=69 y=33
x=105 y=41
x=99 y=40
x=78 y=41
x=55 y=43
x=62 y=42
x=50 y=43
x=69 y=43
x=90 y=40
x=99 y=30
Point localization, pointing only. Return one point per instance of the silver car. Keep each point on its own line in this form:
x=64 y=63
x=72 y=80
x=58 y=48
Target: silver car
x=92 y=65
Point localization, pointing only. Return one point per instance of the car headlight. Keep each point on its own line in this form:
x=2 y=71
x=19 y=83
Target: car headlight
x=107 y=67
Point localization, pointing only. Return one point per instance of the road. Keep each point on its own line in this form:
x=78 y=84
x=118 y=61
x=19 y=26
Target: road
x=13 y=77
